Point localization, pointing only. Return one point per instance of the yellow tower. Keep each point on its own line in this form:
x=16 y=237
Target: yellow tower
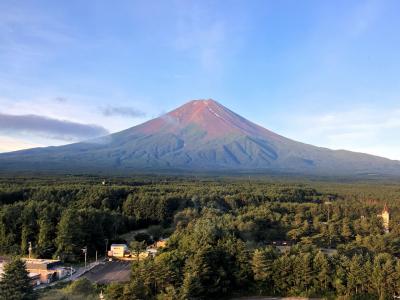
x=385 y=218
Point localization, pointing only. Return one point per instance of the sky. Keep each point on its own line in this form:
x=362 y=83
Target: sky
x=321 y=72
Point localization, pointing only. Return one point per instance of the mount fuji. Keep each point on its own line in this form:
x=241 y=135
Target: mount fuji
x=200 y=136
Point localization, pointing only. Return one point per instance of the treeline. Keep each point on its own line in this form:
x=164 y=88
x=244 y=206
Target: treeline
x=59 y=218
x=216 y=272
x=59 y=221
x=225 y=234
x=209 y=257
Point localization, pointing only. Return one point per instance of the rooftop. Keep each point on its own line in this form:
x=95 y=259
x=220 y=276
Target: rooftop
x=385 y=208
x=40 y=260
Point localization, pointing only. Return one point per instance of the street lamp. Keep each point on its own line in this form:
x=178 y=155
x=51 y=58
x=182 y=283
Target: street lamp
x=84 y=250
x=30 y=249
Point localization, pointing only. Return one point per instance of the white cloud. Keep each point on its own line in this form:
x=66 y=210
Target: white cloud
x=8 y=144
x=122 y=111
x=368 y=130
x=49 y=127
x=77 y=109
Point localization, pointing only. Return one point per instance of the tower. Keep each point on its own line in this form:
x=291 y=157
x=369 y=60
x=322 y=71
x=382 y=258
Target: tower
x=385 y=218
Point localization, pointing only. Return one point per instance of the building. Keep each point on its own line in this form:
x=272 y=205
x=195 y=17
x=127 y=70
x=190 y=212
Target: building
x=35 y=279
x=160 y=244
x=3 y=261
x=45 y=270
x=118 y=250
x=40 y=270
x=385 y=218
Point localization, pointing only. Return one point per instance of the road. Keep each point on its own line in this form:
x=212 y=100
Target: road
x=76 y=274
x=114 y=271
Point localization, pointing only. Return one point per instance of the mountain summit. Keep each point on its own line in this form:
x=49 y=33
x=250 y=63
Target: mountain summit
x=201 y=135
x=208 y=116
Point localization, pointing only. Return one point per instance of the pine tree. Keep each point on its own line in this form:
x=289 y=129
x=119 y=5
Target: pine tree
x=137 y=247
x=69 y=235
x=346 y=230
x=397 y=286
x=114 y=291
x=283 y=274
x=341 y=263
x=260 y=267
x=355 y=275
x=45 y=238
x=205 y=276
x=383 y=275
x=322 y=268
x=302 y=273
x=15 y=283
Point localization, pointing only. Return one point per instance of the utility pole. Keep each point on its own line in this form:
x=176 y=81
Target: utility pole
x=96 y=256
x=106 y=240
x=84 y=250
x=328 y=203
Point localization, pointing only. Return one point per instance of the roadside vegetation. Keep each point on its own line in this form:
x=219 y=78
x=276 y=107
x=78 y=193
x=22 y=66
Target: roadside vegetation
x=77 y=290
x=15 y=283
x=227 y=237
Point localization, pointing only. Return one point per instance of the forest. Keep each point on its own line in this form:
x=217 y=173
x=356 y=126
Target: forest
x=228 y=237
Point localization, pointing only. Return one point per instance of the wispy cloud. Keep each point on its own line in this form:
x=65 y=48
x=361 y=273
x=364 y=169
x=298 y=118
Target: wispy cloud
x=28 y=37
x=364 y=17
x=202 y=34
x=60 y=99
x=368 y=130
x=206 y=42
x=76 y=108
x=48 y=127
x=123 y=111
x=357 y=120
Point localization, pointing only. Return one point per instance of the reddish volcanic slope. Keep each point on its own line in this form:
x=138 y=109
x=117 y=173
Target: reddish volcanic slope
x=201 y=135
x=208 y=115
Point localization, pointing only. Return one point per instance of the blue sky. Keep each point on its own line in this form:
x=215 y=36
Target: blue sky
x=324 y=73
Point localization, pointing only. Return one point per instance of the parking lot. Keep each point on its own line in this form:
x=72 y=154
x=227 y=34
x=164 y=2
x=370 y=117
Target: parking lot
x=114 y=271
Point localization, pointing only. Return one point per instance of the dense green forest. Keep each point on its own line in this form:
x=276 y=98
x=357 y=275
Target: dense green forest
x=225 y=234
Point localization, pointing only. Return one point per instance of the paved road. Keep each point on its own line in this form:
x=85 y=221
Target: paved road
x=114 y=271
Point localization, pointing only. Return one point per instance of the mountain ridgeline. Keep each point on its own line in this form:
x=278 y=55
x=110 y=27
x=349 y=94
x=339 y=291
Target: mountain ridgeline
x=200 y=136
